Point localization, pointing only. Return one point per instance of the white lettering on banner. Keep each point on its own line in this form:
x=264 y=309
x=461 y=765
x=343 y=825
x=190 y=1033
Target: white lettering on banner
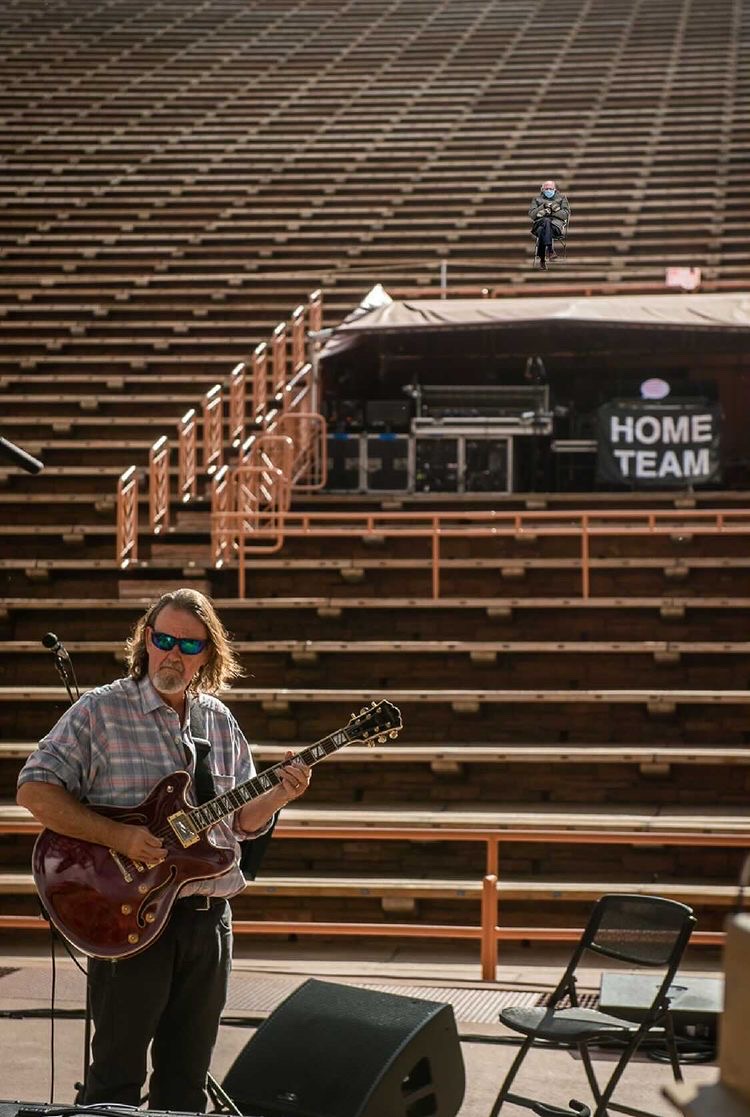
x=695 y=463
x=646 y=463
x=648 y=429
x=622 y=427
x=676 y=428
x=670 y=465
x=623 y=457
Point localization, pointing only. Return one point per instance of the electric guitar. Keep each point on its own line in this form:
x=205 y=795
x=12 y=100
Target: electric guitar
x=112 y=907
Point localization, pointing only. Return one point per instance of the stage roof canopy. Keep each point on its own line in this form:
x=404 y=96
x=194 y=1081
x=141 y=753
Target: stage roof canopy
x=686 y=312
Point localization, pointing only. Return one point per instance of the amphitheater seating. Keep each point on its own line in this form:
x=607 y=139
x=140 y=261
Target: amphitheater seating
x=154 y=230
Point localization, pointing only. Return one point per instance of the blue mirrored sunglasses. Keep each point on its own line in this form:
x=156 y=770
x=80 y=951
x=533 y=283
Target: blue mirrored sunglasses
x=187 y=644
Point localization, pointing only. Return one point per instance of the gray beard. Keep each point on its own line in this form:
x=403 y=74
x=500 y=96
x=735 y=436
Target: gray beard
x=168 y=682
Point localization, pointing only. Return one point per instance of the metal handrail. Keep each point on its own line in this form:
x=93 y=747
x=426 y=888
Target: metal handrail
x=487 y=931
x=436 y=526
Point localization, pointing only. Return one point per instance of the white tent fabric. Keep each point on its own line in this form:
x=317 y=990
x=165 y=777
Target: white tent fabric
x=722 y=311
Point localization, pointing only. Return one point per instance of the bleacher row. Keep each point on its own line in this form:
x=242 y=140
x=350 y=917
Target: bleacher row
x=176 y=178
x=512 y=733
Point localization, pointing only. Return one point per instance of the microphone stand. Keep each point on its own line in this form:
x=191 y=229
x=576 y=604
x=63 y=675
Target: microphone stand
x=19 y=457
x=66 y=671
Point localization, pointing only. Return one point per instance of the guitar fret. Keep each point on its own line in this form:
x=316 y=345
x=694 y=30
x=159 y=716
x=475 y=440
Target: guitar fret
x=360 y=728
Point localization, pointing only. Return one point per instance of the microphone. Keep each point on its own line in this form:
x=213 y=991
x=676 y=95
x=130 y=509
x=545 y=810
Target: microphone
x=54 y=645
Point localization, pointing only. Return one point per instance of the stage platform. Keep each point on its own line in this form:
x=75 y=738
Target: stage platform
x=265 y=974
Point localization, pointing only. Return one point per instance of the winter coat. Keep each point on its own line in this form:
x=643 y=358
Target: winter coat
x=557 y=208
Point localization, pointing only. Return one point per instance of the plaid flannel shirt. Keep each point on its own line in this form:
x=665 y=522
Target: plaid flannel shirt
x=119 y=740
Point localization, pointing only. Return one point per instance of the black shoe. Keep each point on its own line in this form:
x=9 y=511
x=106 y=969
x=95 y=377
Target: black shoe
x=543 y=265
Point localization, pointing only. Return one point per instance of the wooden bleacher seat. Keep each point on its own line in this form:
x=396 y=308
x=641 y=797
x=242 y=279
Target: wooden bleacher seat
x=412 y=890
x=442 y=757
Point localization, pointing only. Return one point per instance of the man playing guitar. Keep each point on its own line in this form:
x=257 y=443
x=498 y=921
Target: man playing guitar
x=109 y=750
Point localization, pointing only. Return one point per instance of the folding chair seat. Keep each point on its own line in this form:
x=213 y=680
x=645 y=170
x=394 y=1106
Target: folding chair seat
x=646 y=931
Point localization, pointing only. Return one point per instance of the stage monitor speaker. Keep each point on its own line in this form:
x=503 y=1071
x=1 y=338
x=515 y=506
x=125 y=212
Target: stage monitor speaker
x=336 y=1051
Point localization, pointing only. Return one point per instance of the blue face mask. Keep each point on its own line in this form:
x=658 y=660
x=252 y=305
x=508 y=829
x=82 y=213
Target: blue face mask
x=548 y=193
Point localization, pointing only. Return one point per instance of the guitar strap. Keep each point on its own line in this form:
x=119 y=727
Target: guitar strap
x=252 y=850
x=205 y=788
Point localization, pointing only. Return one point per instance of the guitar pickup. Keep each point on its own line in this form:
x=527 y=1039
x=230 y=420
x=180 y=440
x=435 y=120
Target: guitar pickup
x=186 y=833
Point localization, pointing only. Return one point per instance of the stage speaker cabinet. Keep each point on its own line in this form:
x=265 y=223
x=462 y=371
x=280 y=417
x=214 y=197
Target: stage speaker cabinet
x=488 y=465
x=387 y=462
x=332 y=1050
x=437 y=465
x=344 y=462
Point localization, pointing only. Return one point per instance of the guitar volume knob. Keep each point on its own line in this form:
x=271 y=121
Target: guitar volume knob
x=126 y=909
x=133 y=938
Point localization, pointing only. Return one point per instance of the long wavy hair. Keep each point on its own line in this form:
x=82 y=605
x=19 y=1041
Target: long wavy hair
x=222 y=665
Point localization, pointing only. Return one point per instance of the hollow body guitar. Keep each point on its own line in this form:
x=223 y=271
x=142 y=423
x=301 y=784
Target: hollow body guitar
x=109 y=906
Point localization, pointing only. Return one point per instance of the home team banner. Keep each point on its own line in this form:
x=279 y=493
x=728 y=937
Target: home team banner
x=642 y=444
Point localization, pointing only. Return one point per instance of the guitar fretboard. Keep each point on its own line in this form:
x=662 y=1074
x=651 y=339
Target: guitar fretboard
x=224 y=805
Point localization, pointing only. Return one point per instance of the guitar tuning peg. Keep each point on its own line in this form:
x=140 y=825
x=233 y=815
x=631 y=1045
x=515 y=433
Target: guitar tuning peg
x=382 y=739
x=363 y=710
x=373 y=704
x=365 y=736
x=393 y=734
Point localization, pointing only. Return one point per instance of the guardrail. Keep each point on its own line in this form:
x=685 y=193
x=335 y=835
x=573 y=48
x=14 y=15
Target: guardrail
x=487 y=931
x=435 y=527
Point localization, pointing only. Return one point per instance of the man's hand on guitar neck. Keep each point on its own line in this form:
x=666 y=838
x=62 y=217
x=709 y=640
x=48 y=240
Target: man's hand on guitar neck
x=294 y=780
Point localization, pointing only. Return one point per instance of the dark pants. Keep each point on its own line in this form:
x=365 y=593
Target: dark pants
x=544 y=231
x=173 y=993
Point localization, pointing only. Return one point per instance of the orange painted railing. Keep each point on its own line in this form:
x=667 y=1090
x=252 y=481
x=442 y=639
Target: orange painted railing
x=127 y=518
x=315 y=312
x=488 y=931
x=278 y=359
x=308 y=432
x=436 y=527
x=237 y=404
x=288 y=382
x=223 y=538
x=213 y=430
x=187 y=458
x=259 y=365
x=158 y=486
x=297 y=326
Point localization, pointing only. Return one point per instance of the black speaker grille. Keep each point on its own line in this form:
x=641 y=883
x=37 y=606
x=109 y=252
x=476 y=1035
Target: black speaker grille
x=337 y=1051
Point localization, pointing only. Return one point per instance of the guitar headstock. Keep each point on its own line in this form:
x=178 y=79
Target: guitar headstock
x=376 y=722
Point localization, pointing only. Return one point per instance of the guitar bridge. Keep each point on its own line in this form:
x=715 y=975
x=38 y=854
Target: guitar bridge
x=186 y=833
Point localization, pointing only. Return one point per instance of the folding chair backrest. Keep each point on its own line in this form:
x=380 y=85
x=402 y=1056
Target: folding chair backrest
x=641 y=930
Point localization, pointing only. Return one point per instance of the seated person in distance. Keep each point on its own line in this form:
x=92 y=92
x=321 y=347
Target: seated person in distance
x=549 y=213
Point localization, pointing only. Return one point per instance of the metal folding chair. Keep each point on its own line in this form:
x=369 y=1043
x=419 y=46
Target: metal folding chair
x=560 y=245
x=644 y=931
